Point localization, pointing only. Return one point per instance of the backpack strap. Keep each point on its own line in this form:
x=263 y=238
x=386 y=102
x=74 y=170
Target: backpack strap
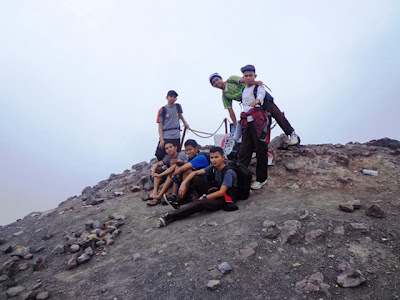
x=164 y=112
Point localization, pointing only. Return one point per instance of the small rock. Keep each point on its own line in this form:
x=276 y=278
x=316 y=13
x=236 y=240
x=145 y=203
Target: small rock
x=268 y=224
x=375 y=211
x=21 y=251
x=225 y=268
x=346 y=207
x=74 y=248
x=116 y=216
x=3 y=278
x=350 y=278
x=37 y=285
x=213 y=284
x=59 y=249
x=343 y=265
x=136 y=256
x=135 y=188
x=23 y=267
x=244 y=253
x=271 y=233
x=14 y=291
x=252 y=245
x=359 y=227
x=18 y=233
x=83 y=258
x=89 y=251
x=118 y=194
x=305 y=216
x=339 y=230
x=313 y=235
x=43 y=296
x=72 y=263
x=30 y=296
x=355 y=203
x=169 y=274
x=28 y=256
x=296 y=265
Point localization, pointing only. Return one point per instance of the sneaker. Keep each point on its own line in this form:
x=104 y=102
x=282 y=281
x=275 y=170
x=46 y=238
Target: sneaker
x=165 y=220
x=256 y=185
x=230 y=206
x=294 y=139
x=172 y=201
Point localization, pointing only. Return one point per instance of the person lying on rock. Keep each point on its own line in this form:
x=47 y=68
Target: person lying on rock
x=196 y=161
x=170 y=161
x=232 y=90
x=216 y=194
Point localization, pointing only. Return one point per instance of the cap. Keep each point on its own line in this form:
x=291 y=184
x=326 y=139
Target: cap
x=171 y=93
x=214 y=75
x=248 y=68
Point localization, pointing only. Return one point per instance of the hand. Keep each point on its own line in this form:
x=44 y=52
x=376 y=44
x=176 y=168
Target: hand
x=157 y=175
x=253 y=103
x=173 y=161
x=161 y=145
x=182 y=190
x=259 y=83
x=186 y=125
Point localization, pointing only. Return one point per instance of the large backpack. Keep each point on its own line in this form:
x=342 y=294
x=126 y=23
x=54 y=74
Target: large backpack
x=244 y=176
x=267 y=99
x=164 y=111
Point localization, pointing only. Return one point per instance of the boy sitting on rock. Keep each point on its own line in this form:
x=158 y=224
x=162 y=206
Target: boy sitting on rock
x=219 y=194
x=170 y=160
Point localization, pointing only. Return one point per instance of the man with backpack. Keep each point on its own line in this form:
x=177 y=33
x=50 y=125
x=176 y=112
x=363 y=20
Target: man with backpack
x=218 y=194
x=232 y=90
x=169 y=129
x=254 y=121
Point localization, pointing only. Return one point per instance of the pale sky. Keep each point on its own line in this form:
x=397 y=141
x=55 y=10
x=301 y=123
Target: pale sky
x=81 y=81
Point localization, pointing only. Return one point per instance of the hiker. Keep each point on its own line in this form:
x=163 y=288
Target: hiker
x=196 y=161
x=232 y=90
x=219 y=194
x=172 y=158
x=168 y=124
x=255 y=126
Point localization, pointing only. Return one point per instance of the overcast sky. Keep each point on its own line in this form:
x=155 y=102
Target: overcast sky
x=81 y=81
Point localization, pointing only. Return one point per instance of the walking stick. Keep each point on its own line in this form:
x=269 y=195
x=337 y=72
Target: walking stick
x=183 y=138
x=226 y=125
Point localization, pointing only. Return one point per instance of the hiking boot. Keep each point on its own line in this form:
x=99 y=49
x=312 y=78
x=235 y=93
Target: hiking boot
x=230 y=206
x=256 y=185
x=294 y=139
x=165 y=220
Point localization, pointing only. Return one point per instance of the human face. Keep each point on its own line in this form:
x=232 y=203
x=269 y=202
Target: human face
x=249 y=77
x=216 y=159
x=171 y=99
x=218 y=83
x=170 y=149
x=191 y=151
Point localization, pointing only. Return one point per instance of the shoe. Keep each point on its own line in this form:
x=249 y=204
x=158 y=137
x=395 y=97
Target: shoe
x=172 y=201
x=230 y=206
x=165 y=220
x=294 y=139
x=258 y=185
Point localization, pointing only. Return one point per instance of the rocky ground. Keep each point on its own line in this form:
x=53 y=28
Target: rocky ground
x=321 y=229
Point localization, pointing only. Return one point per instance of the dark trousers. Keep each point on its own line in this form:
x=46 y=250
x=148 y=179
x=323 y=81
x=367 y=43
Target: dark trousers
x=198 y=206
x=281 y=119
x=199 y=185
x=160 y=152
x=249 y=142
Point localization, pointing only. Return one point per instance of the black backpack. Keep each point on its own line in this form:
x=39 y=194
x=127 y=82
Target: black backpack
x=244 y=176
x=267 y=99
x=164 y=112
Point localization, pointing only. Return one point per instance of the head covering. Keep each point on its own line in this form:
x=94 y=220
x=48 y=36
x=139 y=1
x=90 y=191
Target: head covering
x=171 y=93
x=248 y=68
x=213 y=76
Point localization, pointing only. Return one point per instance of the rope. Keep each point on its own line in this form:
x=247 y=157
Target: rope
x=208 y=135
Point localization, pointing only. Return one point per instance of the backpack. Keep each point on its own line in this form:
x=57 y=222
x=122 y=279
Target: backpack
x=164 y=111
x=207 y=155
x=267 y=99
x=244 y=176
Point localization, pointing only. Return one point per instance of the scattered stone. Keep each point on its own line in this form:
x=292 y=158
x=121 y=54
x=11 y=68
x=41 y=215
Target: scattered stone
x=313 y=283
x=37 y=285
x=83 y=258
x=59 y=249
x=268 y=224
x=3 y=278
x=244 y=253
x=289 y=232
x=296 y=265
x=23 y=267
x=365 y=240
x=30 y=296
x=375 y=211
x=43 y=296
x=18 y=233
x=116 y=216
x=343 y=265
x=5 y=268
x=350 y=278
x=136 y=256
x=225 y=268
x=28 y=256
x=356 y=203
x=346 y=207
x=314 y=234
x=252 y=245
x=74 y=248
x=169 y=274
x=359 y=227
x=21 y=251
x=339 y=230
x=213 y=284
x=72 y=263
x=118 y=194
x=271 y=233
x=89 y=251
x=135 y=188
x=14 y=291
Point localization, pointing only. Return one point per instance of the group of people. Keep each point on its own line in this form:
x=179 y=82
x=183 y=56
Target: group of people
x=207 y=174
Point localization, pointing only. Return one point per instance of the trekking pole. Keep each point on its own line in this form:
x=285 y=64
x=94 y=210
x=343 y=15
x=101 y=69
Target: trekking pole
x=183 y=138
x=226 y=125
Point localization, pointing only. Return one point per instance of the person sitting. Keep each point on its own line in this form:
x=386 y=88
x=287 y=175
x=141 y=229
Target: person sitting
x=215 y=195
x=170 y=160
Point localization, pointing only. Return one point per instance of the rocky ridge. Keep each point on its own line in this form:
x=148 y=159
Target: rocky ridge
x=321 y=229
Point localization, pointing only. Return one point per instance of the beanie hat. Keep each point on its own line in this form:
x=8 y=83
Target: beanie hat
x=214 y=75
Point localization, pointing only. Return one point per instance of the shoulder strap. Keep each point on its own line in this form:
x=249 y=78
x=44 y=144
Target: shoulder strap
x=163 y=113
x=178 y=108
